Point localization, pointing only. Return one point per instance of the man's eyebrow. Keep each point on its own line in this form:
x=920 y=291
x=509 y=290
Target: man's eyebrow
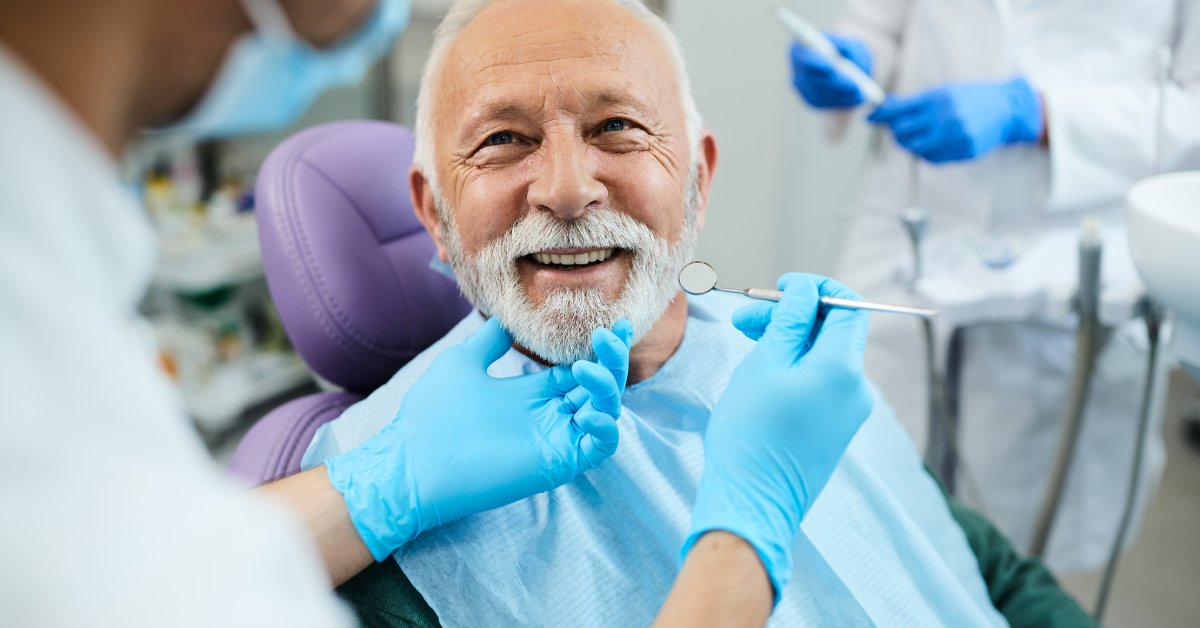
x=490 y=112
x=502 y=110
x=507 y=110
x=620 y=99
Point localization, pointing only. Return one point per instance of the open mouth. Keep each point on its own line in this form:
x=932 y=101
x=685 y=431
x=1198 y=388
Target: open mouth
x=573 y=259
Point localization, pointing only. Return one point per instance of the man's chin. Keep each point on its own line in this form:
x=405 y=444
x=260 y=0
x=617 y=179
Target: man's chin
x=558 y=354
x=555 y=356
x=559 y=332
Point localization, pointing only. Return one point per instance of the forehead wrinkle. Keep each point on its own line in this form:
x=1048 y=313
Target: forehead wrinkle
x=467 y=83
x=518 y=60
x=578 y=96
x=595 y=41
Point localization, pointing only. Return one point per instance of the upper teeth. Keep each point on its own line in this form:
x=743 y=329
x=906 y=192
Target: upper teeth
x=599 y=255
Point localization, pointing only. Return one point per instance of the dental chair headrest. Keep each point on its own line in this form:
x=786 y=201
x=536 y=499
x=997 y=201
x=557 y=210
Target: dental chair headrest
x=346 y=260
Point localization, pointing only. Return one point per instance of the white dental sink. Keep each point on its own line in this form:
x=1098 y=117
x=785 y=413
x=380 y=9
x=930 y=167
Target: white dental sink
x=1164 y=236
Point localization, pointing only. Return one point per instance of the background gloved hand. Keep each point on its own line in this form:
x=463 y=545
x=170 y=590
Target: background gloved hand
x=820 y=84
x=464 y=442
x=964 y=120
x=790 y=411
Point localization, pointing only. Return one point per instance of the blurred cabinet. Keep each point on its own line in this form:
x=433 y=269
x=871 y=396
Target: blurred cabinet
x=218 y=334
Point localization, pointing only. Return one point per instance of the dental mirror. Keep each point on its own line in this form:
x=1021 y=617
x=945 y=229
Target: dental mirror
x=699 y=278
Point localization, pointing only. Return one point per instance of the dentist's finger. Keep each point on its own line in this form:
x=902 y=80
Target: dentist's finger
x=601 y=385
x=612 y=352
x=488 y=344
x=600 y=436
x=752 y=319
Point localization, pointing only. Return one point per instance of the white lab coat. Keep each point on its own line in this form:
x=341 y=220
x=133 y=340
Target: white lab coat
x=1094 y=62
x=113 y=515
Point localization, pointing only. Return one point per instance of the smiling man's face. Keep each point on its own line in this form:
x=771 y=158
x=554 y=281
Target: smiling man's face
x=569 y=194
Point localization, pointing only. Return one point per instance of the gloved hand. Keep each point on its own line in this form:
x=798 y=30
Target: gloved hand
x=820 y=84
x=964 y=120
x=778 y=432
x=464 y=442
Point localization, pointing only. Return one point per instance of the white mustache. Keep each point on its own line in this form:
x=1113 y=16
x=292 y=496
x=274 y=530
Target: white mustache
x=598 y=228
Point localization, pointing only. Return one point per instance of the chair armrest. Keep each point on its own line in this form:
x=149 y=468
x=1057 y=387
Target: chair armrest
x=273 y=447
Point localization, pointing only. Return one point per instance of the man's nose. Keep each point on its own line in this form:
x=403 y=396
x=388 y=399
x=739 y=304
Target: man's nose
x=565 y=183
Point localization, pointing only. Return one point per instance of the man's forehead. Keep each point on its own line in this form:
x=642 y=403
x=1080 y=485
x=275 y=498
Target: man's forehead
x=547 y=22
x=592 y=46
x=537 y=49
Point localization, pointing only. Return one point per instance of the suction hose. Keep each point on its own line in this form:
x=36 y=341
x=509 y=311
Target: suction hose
x=1153 y=315
x=1087 y=346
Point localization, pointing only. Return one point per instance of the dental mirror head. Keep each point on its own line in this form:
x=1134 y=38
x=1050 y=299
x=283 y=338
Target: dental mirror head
x=697 y=278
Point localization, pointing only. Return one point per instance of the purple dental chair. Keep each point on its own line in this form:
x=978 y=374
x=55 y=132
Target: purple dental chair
x=347 y=264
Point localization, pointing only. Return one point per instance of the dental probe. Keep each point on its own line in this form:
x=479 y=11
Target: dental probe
x=699 y=278
x=816 y=41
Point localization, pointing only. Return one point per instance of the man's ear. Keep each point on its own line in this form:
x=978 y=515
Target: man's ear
x=421 y=194
x=706 y=165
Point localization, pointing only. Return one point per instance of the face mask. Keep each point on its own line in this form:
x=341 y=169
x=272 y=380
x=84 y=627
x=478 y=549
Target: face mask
x=271 y=76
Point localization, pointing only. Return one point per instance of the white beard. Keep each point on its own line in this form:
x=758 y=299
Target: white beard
x=560 y=330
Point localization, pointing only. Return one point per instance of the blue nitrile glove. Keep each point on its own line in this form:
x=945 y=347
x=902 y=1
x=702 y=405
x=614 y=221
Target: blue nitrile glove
x=820 y=84
x=964 y=120
x=464 y=442
x=785 y=420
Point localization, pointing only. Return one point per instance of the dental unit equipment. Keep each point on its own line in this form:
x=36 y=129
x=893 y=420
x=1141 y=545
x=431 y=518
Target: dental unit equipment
x=1089 y=339
x=1153 y=313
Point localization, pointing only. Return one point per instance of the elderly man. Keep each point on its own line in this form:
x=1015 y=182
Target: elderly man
x=564 y=175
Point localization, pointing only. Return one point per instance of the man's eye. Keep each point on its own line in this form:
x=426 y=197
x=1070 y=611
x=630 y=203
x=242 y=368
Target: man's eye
x=498 y=139
x=615 y=124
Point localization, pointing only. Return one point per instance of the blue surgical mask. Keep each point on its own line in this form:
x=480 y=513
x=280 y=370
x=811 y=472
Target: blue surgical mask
x=271 y=76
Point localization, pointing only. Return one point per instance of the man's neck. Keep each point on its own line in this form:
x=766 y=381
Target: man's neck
x=660 y=343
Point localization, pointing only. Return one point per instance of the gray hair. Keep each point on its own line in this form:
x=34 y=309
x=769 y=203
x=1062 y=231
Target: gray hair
x=464 y=11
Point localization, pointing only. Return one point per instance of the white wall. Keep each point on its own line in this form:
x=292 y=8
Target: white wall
x=778 y=185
